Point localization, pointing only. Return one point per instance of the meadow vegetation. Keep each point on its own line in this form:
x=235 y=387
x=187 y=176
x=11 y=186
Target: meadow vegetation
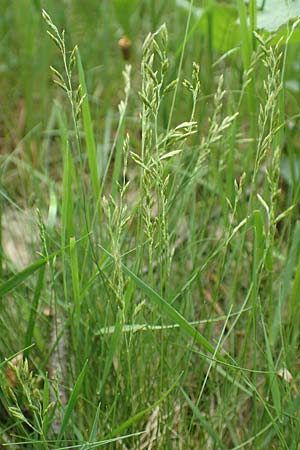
x=150 y=234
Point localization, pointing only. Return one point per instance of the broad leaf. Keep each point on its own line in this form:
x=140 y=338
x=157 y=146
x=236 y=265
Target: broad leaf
x=276 y=13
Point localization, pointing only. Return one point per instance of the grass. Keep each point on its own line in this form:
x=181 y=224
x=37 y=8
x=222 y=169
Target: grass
x=150 y=237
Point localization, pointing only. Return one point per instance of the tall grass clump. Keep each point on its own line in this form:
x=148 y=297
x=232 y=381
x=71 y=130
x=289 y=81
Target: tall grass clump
x=158 y=306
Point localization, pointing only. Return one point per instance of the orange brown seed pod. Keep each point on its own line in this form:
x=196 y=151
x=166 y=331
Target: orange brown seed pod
x=125 y=45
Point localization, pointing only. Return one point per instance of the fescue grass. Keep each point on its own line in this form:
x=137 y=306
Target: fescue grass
x=153 y=203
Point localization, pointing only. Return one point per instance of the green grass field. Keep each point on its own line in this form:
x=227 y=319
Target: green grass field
x=150 y=233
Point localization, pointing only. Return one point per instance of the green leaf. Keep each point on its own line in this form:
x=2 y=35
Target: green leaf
x=225 y=30
x=72 y=401
x=21 y=276
x=140 y=414
x=94 y=430
x=113 y=349
x=89 y=131
x=124 y=10
x=204 y=422
x=46 y=400
x=171 y=312
x=259 y=239
x=274 y=385
x=6 y=360
x=75 y=279
x=34 y=309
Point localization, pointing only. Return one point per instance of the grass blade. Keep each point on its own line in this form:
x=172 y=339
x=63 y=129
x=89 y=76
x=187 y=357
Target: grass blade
x=140 y=414
x=94 y=429
x=46 y=400
x=21 y=276
x=171 y=312
x=204 y=422
x=89 y=132
x=34 y=309
x=76 y=287
x=72 y=401
x=113 y=348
